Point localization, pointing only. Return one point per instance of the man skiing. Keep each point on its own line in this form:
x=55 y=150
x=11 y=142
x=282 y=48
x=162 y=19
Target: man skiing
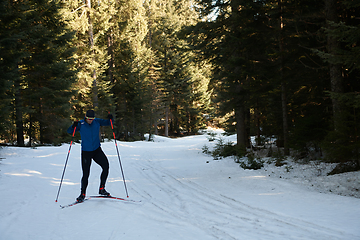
x=89 y=129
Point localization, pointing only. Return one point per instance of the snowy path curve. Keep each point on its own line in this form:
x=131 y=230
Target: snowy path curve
x=219 y=216
x=182 y=197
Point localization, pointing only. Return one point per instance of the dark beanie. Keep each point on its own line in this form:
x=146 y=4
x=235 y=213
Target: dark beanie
x=90 y=113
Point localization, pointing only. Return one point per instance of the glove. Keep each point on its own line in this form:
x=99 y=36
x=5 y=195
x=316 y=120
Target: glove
x=75 y=124
x=110 y=116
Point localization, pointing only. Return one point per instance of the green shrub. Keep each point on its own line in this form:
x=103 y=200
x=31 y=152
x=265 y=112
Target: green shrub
x=250 y=162
x=222 y=150
x=212 y=136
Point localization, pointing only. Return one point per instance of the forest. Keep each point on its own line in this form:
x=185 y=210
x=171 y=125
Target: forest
x=286 y=69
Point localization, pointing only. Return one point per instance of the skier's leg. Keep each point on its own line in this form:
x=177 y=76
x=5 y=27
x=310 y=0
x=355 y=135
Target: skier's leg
x=85 y=164
x=101 y=159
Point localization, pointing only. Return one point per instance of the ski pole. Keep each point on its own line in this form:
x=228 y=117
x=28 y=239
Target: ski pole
x=121 y=168
x=62 y=177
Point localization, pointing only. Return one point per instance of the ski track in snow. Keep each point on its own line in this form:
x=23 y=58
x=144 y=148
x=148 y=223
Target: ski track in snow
x=220 y=216
x=173 y=205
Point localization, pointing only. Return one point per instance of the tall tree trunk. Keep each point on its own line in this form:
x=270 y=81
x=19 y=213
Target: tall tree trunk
x=167 y=121
x=125 y=118
x=111 y=56
x=283 y=83
x=285 y=118
x=156 y=127
x=19 y=116
x=335 y=71
x=240 y=126
x=41 y=122
x=257 y=121
x=133 y=120
x=91 y=42
x=30 y=133
x=240 y=116
x=167 y=103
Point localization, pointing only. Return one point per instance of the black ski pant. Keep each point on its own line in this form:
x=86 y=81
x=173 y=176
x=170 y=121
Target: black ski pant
x=100 y=158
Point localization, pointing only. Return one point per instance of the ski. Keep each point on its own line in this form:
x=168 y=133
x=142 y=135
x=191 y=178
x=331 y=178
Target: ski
x=73 y=204
x=100 y=196
x=115 y=198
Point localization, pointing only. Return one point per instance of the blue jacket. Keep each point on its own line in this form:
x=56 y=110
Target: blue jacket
x=90 y=133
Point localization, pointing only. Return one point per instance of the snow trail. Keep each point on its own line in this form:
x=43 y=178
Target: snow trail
x=182 y=197
x=220 y=216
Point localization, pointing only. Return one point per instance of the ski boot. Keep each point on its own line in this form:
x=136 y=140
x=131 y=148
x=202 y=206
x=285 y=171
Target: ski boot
x=103 y=192
x=81 y=198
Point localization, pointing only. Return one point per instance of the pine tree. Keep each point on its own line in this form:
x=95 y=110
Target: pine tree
x=11 y=52
x=129 y=74
x=258 y=49
x=178 y=79
x=48 y=71
x=92 y=21
x=234 y=41
x=342 y=36
x=39 y=64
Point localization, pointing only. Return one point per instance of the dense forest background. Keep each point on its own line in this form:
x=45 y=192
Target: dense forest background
x=282 y=68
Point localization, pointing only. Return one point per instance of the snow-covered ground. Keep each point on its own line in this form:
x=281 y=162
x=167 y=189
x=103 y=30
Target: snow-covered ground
x=184 y=195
